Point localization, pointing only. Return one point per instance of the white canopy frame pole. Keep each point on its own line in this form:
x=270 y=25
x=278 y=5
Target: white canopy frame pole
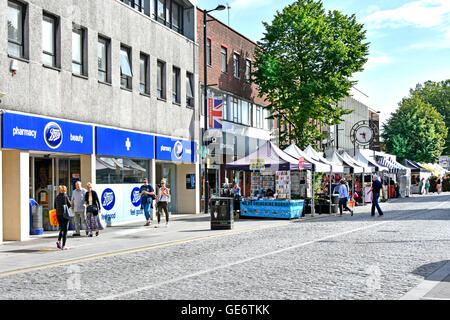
x=331 y=191
x=363 y=189
x=313 y=208
x=353 y=187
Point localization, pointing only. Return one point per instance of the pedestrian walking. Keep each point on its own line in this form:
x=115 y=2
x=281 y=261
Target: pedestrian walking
x=343 y=197
x=377 y=186
x=147 y=194
x=93 y=210
x=79 y=209
x=439 y=185
x=62 y=203
x=427 y=186
x=163 y=199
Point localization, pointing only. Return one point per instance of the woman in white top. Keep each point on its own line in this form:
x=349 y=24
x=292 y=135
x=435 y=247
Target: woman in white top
x=162 y=201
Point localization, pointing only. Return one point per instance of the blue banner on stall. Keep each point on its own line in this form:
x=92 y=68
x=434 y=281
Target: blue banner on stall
x=121 y=143
x=35 y=133
x=176 y=150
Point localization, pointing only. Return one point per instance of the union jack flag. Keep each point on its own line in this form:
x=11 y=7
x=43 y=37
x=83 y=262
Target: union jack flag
x=215 y=113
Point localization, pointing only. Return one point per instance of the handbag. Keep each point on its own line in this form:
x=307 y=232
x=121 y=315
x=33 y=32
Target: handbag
x=92 y=209
x=67 y=213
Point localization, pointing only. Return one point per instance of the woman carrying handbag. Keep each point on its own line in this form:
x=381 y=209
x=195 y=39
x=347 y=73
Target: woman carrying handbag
x=93 y=210
x=62 y=205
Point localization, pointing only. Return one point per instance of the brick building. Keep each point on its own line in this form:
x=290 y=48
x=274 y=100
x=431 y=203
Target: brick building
x=230 y=58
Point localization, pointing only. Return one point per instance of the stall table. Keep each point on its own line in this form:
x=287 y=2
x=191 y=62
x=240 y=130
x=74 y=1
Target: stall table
x=284 y=209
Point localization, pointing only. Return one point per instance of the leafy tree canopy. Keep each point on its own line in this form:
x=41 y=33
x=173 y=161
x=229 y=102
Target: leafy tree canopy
x=415 y=131
x=304 y=65
x=438 y=95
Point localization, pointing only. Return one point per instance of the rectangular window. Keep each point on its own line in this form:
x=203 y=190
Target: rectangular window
x=144 y=78
x=78 y=50
x=161 y=80
x=224 y=59
x=139 y=5
x=126 y=75
x=245 y=113
x=208 y=52
x=190 y=89
x=177 y=17
x=258 y=117
x=237 y=115
x=176 y=85
x=248 y=70
x=236 y=60
x=49 y=26
x=161 y=11
x=103 y=60
x=121 y=170
x=16 y=22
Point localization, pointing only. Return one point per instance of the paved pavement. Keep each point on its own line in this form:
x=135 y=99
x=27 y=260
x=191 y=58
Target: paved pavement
x=401 y=256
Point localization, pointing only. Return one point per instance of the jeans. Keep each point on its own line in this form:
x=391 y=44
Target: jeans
x=376 y=205
x=147 y=210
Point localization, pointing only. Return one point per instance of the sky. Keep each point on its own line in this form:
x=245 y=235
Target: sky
x=409 y=40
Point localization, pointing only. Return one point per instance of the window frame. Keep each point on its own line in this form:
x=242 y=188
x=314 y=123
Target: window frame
x=107 y=72
x=123 y=76
x=54 y=20
x=236 y=68
x=190 y=100
x=161 y=83
x=146 y=58
x=83 y=50
x=22 y=45
x=208 y=52
x=176 y=85
x=224 y=59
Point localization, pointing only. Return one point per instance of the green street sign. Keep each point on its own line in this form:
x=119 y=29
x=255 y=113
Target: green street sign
x=203 y=152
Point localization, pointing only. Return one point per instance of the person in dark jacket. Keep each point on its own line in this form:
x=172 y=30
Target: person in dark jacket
x=61 y=200
x=93 y=210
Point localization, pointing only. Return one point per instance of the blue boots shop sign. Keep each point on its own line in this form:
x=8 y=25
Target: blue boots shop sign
x=26 y=132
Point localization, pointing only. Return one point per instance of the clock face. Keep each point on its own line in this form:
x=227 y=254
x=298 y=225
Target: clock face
x=364 y=134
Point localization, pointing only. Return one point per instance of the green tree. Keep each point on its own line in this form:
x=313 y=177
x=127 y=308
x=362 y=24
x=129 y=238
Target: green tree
x=415 y=131
x=304 y=67
x=438 y=95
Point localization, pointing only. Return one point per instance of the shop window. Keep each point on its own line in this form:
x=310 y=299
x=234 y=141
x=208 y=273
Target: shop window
x=121 y=170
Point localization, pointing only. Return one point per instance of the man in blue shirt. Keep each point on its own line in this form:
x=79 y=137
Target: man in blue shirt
x=147 y=194
x=377 y=186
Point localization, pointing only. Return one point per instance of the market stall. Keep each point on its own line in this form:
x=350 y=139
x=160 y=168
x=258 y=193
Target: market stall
x=398 y=174
x=419 y=176
x=303 y=180
x=271 y=170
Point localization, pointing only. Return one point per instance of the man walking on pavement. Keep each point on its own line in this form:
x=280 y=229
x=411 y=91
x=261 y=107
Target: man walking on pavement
x=376 y=187
x=78 y=205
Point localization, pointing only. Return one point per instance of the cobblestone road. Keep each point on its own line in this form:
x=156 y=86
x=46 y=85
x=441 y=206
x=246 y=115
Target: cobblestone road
x=359 y=257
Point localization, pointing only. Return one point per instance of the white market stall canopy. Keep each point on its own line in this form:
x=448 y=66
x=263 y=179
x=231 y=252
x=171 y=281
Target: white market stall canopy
x=370 y=161
x=348 y=158
x=335 y=167
x=392 y=165
x=295 y=152
x=350 y=167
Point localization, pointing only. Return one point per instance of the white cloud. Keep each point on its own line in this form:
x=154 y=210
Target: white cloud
x=376 y=61
x=420 y=13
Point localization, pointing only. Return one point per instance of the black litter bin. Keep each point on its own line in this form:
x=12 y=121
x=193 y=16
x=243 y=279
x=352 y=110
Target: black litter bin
x=222 y=215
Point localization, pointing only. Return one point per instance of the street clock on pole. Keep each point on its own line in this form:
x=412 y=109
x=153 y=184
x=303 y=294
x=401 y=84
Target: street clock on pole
x=363 y=133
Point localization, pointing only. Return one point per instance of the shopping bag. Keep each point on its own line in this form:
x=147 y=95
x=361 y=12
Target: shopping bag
x=53 y=218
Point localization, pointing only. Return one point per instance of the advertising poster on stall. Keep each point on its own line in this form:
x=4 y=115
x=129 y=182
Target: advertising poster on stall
x=120 y=203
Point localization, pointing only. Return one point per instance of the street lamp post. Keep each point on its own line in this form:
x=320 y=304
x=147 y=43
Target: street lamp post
x=205 y=72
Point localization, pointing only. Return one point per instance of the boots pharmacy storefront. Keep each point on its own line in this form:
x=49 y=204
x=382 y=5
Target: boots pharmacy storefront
x=39 y=154
x=125 y=158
